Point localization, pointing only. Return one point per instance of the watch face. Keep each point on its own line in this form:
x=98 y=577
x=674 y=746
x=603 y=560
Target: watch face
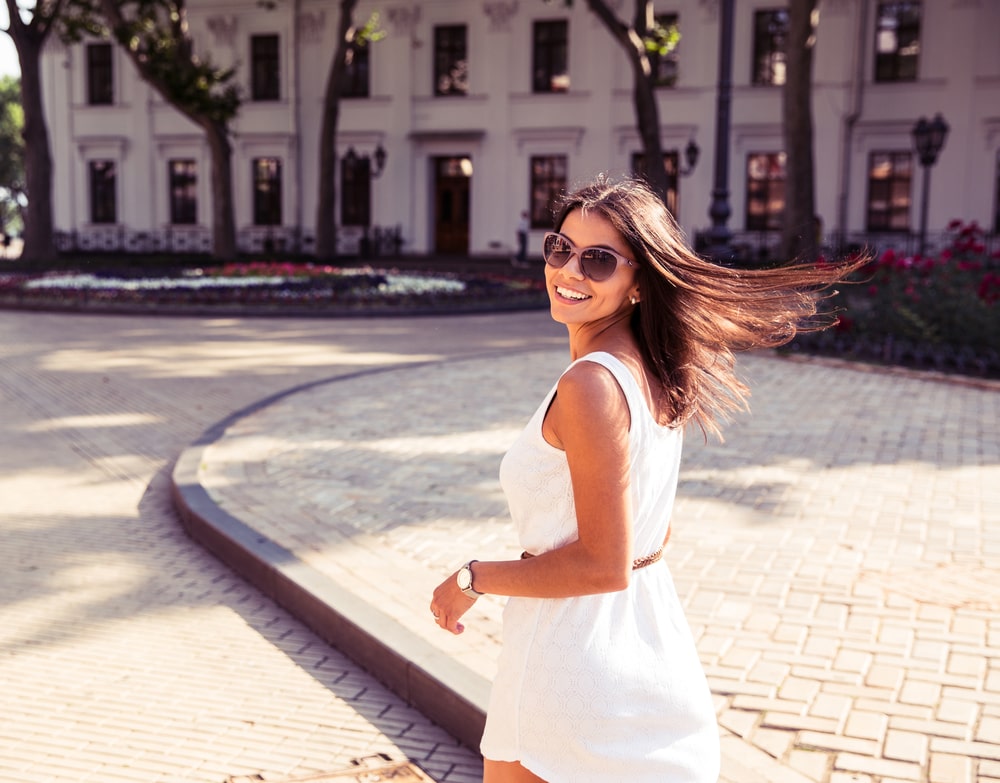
x=465 y=578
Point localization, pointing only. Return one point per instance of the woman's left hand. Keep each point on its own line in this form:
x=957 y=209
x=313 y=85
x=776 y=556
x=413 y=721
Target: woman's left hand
x=449 y=603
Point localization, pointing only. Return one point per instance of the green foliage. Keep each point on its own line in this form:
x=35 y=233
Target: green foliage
x=11 y=155
x=370 y=32
x=662 y=39
x=155 y=33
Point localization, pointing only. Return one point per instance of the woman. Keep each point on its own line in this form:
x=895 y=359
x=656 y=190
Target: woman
x=599 y=678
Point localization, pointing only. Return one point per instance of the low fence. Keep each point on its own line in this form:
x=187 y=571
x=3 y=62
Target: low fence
x=255 y=240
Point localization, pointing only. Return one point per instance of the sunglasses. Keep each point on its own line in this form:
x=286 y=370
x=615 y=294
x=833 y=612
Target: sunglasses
x=596 y=263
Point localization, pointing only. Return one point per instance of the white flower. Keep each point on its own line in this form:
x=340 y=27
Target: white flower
x=411 y=284
x=94 y=283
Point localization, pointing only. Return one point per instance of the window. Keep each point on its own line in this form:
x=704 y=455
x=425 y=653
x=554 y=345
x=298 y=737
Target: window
x=267 y=191
x=356 y=74
x=265 y=83
x=183 y=192
x=671 y=162
x=897 y=41
x=770 y=31
x=548 y=184
x=765 y=191
x=889 y=177
x=451 y=66
x=355 y=190
x=100 y=82
x=664 y=67
x=550 y=60
x=103 y=191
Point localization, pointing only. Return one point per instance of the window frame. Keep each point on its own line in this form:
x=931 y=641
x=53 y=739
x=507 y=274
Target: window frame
x=769 y=42
x=451 y=60
x=265 y=67
x=183 y=191
x=891 y=66
x=102 y=183
x=550 y=56
x=548 y=176
x=764 y=193
x=671 y=163
x=355 y=191
x=100 y=74
x=357 y=73
x=267 y=191
x=890 y=187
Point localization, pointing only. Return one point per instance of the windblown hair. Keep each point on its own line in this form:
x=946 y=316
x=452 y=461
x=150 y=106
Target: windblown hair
x=695 y=314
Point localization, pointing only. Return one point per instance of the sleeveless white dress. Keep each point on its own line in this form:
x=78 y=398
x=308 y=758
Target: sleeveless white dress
x=600 y=688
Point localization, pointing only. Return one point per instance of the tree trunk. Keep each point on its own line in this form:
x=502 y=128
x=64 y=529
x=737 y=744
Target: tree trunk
x=39 y=240
x=204 y=114
x=326 y=208
x=800 y=230
x=647 y=113
x=223 y=223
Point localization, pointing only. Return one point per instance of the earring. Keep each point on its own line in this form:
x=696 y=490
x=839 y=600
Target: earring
x=633 y=300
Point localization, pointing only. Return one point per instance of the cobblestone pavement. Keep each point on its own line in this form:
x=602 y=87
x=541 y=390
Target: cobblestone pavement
x=839 y=555
x=127 y=653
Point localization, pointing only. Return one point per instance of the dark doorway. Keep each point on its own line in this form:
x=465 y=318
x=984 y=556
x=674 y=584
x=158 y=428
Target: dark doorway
x=452 y=178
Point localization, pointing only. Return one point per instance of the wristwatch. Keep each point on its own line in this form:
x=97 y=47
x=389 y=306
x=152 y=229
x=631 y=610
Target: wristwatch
x=464 y=578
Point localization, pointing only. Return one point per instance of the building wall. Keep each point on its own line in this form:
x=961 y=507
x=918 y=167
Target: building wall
x=501 y=123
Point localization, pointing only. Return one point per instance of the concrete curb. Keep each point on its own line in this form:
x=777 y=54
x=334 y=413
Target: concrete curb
x=444 y=690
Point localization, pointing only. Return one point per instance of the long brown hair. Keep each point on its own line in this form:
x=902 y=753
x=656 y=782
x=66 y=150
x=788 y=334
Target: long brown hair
x=694 y=314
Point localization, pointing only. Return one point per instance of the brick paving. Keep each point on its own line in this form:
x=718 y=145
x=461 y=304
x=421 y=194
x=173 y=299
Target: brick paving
x=127 y=653
x=839 y=555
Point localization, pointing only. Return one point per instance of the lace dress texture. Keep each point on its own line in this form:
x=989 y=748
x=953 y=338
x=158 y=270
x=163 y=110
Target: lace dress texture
x=608 y=687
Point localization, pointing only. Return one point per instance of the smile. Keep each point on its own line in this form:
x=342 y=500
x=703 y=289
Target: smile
x=568 y=293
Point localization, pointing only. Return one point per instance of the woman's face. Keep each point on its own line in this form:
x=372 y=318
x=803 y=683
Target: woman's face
x=576 y=299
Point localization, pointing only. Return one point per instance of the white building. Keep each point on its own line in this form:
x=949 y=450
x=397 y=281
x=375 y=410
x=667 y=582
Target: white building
x=486 y=108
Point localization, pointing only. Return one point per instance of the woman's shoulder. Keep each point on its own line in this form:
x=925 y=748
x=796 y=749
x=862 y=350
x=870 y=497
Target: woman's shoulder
x=591 y=384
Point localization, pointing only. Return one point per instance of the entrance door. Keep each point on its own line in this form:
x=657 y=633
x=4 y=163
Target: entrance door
x=452 y=178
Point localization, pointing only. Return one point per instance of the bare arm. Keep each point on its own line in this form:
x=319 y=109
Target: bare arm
x=589 y=420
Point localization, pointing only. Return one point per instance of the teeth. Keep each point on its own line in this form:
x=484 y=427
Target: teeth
x=571 y=294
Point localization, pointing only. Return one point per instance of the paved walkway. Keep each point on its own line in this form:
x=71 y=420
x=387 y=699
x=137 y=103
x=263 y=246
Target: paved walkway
x=839 y=555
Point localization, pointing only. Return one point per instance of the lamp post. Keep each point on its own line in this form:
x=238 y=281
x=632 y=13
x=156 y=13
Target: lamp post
x=928 y=137
x=719 y=237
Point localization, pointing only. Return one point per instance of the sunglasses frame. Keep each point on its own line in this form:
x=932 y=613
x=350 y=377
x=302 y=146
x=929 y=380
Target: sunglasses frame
x=578 y=252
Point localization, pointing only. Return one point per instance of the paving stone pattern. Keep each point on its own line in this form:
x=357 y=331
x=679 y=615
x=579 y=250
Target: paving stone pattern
x=839 y=554
x=127 y=654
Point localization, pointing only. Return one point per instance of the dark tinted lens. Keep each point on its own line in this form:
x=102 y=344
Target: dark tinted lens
x=598 y=264
x=556 y=250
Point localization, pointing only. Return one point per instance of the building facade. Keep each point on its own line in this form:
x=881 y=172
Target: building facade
x=468 y=112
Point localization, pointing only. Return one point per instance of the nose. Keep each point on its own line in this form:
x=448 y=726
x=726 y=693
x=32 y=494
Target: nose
x=573 y=266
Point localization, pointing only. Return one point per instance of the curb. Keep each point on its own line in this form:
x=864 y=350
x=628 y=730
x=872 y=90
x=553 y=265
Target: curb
x=444 y=690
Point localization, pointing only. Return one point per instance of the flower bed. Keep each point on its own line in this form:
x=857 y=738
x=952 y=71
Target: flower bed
x=280 y=287
x=939 y=313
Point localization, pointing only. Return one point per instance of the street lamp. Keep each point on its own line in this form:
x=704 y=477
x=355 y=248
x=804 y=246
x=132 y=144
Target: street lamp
x=928 y=137
x=720 y=246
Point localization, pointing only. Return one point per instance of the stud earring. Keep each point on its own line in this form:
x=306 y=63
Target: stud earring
x=633 y=300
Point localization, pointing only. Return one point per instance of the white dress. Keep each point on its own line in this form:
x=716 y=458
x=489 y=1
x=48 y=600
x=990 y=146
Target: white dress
x=600 y=688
